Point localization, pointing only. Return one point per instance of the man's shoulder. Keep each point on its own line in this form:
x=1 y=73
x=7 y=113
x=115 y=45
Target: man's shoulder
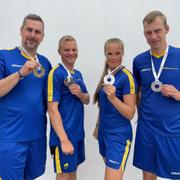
x=142 y=55
x=8 y=51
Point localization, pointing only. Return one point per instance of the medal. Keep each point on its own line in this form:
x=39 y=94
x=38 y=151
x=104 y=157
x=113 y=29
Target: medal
x=69 y=79
x=157 y=84
x=109 y=77
x=39 y=71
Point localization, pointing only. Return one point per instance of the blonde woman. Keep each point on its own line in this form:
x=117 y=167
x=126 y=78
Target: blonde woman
x=115 y=95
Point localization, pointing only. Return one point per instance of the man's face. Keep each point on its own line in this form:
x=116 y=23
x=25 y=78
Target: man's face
x=155 y=33
x=32 y=34
x=69 y=52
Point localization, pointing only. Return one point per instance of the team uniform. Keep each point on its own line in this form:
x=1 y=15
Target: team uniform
x=115 y=131
x=158 y=132
x=72 y=113
x=22 y=120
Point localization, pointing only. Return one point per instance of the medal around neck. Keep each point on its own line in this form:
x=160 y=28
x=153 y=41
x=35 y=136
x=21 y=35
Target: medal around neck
x=109 y=79
x=39 y=72
x=156 y=86
x=68 y=81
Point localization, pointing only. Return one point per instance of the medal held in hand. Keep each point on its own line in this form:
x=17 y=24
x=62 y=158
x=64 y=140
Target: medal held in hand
x=69 y=79
x=157 y=84
x=37 y=72
x=109 y=77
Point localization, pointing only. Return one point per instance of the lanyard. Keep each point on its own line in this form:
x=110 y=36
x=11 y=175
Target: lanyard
x=111 y=72
x=157 y=75
x=31 y=58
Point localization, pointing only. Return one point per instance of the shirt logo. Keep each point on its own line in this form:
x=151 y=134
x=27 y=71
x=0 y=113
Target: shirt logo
x=145 y=69
x=66 y=165
x=16 y=65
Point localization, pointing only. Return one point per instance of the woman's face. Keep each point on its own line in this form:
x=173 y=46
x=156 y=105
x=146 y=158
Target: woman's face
x=114 y=54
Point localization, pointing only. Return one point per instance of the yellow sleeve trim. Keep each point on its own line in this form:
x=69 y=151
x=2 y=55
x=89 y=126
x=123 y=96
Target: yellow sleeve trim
x=125 y=156
x=50 y=83
x=131 y=80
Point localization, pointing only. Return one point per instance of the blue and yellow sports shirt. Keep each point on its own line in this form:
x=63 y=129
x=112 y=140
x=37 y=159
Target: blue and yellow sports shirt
x=157 y=113
x=23 y=109
x=111 y=120
x=70 y=107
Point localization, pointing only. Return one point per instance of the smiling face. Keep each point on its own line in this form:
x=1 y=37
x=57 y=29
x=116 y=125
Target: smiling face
x=155 y=34
x=69 y=52
x=32 y=33
x=114 y=53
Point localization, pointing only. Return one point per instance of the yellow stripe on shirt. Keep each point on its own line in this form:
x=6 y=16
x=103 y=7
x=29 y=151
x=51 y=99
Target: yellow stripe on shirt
x=50 y=83
x=131 y=80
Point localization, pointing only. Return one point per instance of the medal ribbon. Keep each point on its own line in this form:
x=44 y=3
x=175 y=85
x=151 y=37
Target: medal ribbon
x=31 y=58
x=67 y=70
x=157 y=75
x=110 y=72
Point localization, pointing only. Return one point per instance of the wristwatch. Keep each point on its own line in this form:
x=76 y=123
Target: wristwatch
x=20 y=75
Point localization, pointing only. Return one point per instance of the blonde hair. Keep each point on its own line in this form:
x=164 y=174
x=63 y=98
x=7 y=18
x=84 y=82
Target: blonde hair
x=109 y=41
x=151 y=16
x=65 y=39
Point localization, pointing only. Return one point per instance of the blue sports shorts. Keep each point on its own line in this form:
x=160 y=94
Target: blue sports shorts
x=22 y=160
x=114 y=149
x=68 y=163
x=157 y=154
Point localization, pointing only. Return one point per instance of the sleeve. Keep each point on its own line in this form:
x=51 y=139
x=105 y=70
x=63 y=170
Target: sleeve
x=54 y=86
x=2 y=67
x=136 y=73
x=129 y=83
x=82 y=84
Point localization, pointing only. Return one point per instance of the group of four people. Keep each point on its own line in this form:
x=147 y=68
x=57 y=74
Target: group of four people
x=29 y=86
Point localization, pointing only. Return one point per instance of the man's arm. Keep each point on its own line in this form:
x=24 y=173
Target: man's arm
x=9 y=82
x=57 y=124
x=170 y=91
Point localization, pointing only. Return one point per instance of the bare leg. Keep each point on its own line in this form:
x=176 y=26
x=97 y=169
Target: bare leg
x=113 y=174
x=149 y=176
x=66 y=176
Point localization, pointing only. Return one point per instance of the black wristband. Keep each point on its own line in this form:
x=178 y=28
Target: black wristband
x=20 y=75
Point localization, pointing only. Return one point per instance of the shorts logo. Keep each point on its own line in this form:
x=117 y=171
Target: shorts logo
x=175 y=173
x=112 y=161
x=66 y=165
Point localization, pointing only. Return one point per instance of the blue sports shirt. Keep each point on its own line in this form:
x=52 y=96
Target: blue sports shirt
x=157 y=113
x=111 y=120
x=70 y=107
x=23 y=109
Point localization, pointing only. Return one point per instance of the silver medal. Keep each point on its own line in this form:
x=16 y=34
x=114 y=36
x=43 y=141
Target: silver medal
x=156 y=86
x=68 y=81
x=109 y=79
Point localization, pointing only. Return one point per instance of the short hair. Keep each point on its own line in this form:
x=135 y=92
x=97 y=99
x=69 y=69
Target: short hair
x=34 y=17
x=64 y=39
x=114 y=40
x=151 y=16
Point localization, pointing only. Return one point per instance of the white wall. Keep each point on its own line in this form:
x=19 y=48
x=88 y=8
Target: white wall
x=91 y=22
